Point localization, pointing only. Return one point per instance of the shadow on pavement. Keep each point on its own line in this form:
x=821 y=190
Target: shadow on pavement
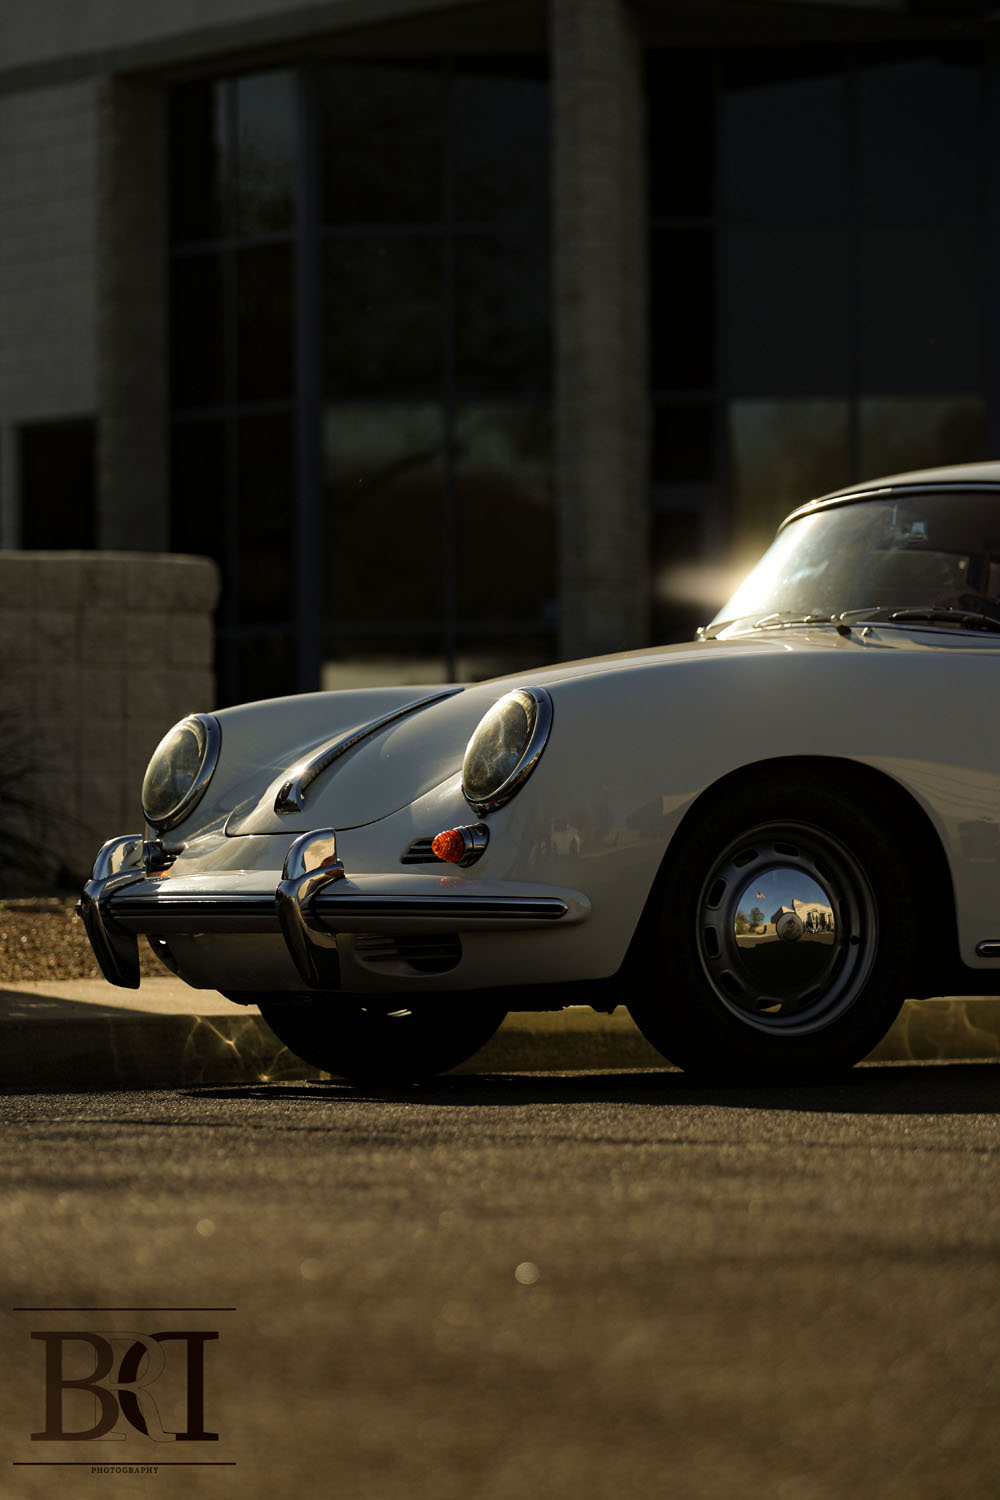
x=899 y=1088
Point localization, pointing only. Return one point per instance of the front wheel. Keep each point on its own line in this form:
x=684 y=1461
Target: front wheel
x=781 y=942
x=382 y=1039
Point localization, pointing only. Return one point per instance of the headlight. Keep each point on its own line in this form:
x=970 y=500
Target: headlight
x=180 y=770
x=505 y=748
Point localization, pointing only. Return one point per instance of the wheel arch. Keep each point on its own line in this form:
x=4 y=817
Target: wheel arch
x=881 y=795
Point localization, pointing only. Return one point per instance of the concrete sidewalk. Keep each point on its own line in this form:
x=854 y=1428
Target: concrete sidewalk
x=87 y=1034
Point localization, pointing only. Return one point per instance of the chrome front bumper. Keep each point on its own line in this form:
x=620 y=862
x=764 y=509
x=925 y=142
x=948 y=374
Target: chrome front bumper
x=313 y=901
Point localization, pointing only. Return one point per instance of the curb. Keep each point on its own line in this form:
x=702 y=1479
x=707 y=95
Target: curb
x=54 y=1040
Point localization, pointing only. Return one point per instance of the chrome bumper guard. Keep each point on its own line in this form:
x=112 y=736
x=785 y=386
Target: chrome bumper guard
x=124 y=897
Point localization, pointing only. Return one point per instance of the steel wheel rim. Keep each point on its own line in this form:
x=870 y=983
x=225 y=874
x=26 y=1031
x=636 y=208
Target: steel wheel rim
x=804 y=965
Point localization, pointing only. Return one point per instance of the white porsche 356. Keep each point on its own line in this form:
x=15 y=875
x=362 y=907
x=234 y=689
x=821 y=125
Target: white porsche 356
x=781 y=830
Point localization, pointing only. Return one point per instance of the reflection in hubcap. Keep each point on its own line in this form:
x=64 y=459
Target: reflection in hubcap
x=787 y=928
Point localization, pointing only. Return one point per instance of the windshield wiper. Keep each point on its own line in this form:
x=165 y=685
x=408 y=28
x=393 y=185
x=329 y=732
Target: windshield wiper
x=946 y=614
x=790 y=617
x=935 y=614
x=766 y=622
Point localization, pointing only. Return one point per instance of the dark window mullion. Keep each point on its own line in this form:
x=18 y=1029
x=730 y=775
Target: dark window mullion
x=309 y=322
x=448 y=335
x=992 y=240
x=853 y=272
x=230 y=324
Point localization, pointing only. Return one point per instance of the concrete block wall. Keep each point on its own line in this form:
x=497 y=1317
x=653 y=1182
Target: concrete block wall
x=100 y=653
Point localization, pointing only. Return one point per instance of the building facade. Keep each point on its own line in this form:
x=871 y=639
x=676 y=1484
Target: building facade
x=464 y=336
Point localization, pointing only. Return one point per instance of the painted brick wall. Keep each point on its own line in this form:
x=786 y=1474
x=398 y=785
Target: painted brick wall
x=100 y=653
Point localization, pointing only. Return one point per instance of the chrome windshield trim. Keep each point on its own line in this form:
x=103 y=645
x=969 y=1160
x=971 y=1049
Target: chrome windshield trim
x=291 y=793
x=883 y=492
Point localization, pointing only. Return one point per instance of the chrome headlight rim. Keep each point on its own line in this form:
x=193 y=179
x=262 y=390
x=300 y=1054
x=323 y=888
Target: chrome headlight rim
x=541 y=709
x=186 y=804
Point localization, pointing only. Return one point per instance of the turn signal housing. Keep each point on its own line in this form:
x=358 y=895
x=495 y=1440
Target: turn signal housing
x=461 y=846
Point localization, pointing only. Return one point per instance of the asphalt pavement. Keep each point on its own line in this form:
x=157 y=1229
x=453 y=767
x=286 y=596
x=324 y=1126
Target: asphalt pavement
x=512 y=1287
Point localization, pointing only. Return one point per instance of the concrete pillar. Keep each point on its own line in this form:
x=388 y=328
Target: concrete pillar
x=133 y=501
x=601 y=301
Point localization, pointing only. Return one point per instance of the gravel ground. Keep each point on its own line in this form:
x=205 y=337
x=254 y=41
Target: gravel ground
x=43 y=938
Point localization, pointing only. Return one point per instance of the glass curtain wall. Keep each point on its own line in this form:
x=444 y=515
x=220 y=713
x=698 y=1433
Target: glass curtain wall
x=819 y=221
x=360 y=371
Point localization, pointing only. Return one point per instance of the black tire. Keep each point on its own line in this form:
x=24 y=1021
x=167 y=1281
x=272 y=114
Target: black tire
x=814 y=987
x=380 y=1039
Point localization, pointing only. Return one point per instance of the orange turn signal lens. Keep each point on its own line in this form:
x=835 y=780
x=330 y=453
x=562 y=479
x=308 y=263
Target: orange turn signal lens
x=450 y=845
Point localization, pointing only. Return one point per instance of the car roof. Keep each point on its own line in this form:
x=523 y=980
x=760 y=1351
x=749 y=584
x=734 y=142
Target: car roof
x=982 y=475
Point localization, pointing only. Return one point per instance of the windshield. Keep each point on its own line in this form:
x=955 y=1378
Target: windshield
x=935 y=551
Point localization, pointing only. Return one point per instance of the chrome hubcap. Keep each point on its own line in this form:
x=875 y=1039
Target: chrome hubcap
x=787 y=928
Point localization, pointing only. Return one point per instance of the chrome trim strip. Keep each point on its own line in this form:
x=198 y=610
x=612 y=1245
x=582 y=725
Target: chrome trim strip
x=291 y=794
x=160 y=911
x=163 y=912
x=198 y=787
x=533 y=749
x=989 y=949
x=446 y=908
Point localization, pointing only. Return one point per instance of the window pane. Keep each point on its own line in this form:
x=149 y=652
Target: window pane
x=265 y=668
x=265 y=339
x=265 y=154
x=500 y=128
x=921 y=309
x=496 y=654
x=680 y=105
x=198 y=490
x=784 y=123
x=921 y=432
x=683 y=442
x=787 y=303
x=505 y=516
x=266 y=532
x=678 y=583
x=56 y=461
x=197 y=360
x=502 y=342
x=381 y=144
x=921 y=136
x=383 y=474
x=382 y=658
x=782 y=453
x=199 y=161
x=683 y=309
x=382 y=316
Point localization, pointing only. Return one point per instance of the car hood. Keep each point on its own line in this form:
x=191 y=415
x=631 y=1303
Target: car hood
x=398 y=763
